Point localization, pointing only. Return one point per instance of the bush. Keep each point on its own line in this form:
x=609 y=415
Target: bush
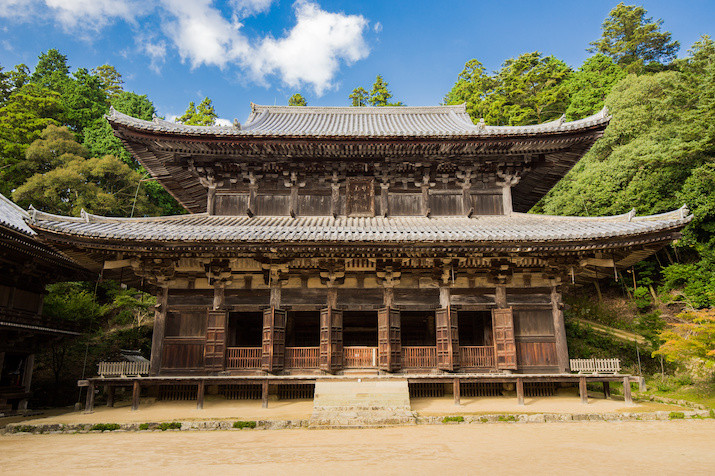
x=105 y=427
x=676 y=415
x=506 y=418
x=24 y=429
x=174 y=425
x=456 y=419
x=144 y=426
x=240 y=424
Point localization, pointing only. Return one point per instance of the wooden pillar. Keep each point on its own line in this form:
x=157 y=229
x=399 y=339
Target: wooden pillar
x=264 y=394
x=89 y=403
x=219 y=295
x=200 y=395
x=275 y=299
x=210 y=199
x=506 y=199
x=457 y=391
x=500 y=296
x=384 y=204
x=562 y=351
x=335 y=199
x=583 y=390
x=332 y=301
x=444 y=297
x=627 y=391
x=388 y=297
x=27 y=379
x=136 y=392
x=606 y=390
x=157 y=338
x=519 y=391
x=110 y=395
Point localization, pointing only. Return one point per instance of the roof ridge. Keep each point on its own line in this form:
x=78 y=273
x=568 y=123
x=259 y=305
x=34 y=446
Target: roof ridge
x=359 y=109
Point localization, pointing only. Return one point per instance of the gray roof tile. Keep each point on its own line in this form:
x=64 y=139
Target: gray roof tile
x=12 y=216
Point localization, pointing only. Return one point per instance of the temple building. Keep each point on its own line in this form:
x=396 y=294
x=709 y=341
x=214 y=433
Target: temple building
x=332 y=240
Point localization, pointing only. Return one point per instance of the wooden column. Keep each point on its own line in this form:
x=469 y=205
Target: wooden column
x=89 y=403
x=157 y=338
x=27 y=379
x=264 y=394
x=500 y=296
x=583 y=390
x=110 y=395
x=562 y=351
x=506 y=199
x=210 y=199
x=457 y=391
x=519 y=391
x=627 y=391
x=388 y=296
x=200 y=395
x=444 y=297
x=136 y=392
x=219 y=295
x=384 y=204
x=335 y=199
x=606 y=390
x=275 y=299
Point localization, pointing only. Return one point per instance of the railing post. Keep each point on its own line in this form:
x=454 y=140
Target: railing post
x=519 y=391
x=89 y=405
x=583 y=390
x=627 y=391
x=200 y=395
x=136 y=391
x=457 y=391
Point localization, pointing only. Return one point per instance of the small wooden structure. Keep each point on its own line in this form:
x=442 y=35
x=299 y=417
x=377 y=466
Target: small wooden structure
x=596 y=366
x=373 y=240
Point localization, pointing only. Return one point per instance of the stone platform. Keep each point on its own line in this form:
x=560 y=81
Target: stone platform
x=361 y=403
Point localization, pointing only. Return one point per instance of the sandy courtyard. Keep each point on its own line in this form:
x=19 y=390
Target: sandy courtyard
x=640 y=447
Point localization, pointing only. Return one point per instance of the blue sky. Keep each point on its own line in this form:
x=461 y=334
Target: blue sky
x=262 y=51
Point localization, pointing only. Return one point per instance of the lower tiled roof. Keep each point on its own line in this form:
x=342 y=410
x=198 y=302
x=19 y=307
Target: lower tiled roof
x=518 y=227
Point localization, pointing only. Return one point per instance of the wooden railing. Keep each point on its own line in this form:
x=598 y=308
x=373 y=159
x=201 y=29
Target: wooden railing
x=302 y=357
x=419 y=357
x=595 y=366
x=243 y=357
x=122 y=369
x=360 y=357
x=476 y=356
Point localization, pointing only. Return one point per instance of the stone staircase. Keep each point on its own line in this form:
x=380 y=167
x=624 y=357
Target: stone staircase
x=361 y=402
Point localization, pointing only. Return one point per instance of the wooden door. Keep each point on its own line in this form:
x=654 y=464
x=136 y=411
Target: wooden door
x=389 y=340
x=504 y=345
x=331 y=340
x=274 y=336
x=215 y=345
x=447 y=339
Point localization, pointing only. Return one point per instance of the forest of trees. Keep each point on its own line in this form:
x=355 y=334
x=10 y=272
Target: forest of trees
x=58 y=153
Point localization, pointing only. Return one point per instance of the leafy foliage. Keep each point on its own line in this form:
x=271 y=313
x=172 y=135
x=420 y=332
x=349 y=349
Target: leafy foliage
x=379 y=95
x=589 y=86
x=203 y=115
x=633 y=40
x=359 y=97
x=297 y=100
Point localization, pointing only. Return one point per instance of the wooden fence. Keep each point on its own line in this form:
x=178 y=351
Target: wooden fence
x=243 y=357
x=424 y=357
x=476 y=356
x=302 y=357
x=596 y=366
x=360 y=357
x=122 y=369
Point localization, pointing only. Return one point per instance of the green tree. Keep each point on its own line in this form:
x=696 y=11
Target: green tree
x=589 y=86
x=203 y=115
x=380 y=95
x=297 y=100
x=359 y=97
x=51 y=70
x=110 y=79
x=634 y=40
x=472 y=88
x=56 y=146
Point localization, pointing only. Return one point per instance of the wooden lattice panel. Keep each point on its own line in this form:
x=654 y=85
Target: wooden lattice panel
x=178 y=392
x=426 y=390
x=295 y=391
x=539 y=389
x=241 y=391
x=478 y=389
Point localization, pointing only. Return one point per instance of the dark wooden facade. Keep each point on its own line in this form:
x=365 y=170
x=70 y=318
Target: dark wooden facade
x=341 y=239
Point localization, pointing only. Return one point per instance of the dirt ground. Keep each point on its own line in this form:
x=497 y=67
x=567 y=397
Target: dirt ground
x=639 y=447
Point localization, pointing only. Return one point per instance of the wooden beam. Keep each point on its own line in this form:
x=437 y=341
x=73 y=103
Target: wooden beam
x=136 y=391
x=520 y=391
x=264 y=394
x=200 y=395
x=606 y=390
x=583 y=390
x=457 y=391
x=157 y=338
x=119 y=263
x=627 y=397
x=109 y=389
x=89 y=404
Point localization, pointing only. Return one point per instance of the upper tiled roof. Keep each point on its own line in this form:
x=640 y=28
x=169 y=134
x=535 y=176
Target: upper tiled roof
x=12 y=216
x=514 y=229
x=294 y=121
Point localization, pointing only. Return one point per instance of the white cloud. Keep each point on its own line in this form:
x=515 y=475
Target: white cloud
x=312 y=51
x=94 y=14
x=155 y=50
x=247 y=8
x=19 y=9
x=377 y=28
x=223 y=122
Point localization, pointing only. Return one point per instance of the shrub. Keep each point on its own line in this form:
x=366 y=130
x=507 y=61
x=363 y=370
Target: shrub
x=174 y=425
x=457 y=419
x=24 y=429
x=506 y=418
x=240 y=424
x=105 y=427
x=144 y=426
x=676 y=415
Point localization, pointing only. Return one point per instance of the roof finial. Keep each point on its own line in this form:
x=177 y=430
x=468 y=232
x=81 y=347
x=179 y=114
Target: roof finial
x=236 y=124
x=482 y=124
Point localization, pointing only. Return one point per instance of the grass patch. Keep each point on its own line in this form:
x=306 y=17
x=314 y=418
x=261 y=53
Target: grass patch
x=455 y=419
x=105 y=427
x=144 y=426
x=240 y=424
x=676 y=415
x=506 y=418
x=174 y=425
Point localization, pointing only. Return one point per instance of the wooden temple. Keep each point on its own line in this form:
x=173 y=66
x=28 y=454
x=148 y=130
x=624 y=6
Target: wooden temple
x=26 y=267
x=325 y=240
